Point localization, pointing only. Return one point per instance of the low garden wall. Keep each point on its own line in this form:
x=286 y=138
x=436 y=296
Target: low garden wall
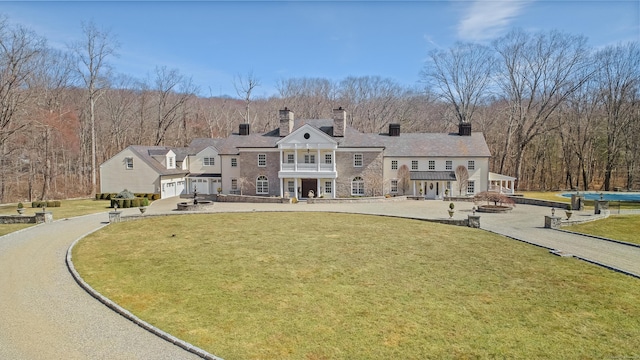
x=539 y=202
x=39 y=218
x=358 y=200
x=251 y=199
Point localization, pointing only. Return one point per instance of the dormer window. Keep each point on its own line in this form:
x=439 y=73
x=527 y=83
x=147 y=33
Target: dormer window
x=171 y=162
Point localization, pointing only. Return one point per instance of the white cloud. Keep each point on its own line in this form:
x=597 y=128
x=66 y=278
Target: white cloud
x=485 y=20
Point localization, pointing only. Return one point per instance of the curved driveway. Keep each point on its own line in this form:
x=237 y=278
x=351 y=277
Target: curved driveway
x=44 y=314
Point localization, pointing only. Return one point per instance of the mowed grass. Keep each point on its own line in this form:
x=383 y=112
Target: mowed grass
x=618 y=227
x=342 y=286
x=68 y=208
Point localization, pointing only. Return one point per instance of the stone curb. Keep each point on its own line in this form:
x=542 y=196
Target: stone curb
x=600 y=238
x=126 y=314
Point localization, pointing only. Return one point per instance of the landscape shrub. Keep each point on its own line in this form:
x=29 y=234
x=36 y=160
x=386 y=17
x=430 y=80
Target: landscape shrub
x=126 y=203
x=98 y=196
x=155 y=196
x=125 y=194
x=135 y=202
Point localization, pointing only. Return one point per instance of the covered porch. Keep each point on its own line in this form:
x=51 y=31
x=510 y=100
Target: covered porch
x=502 y=184
x=431 y=184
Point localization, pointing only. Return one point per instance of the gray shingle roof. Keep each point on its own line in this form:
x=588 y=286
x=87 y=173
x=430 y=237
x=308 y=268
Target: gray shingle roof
x=435 y=145
x=432 y=175
x=146 y=153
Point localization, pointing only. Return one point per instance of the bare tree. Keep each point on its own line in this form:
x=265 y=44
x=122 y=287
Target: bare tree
x=461 y=76
x=404 y=178
x=462 y=178
x=244 y=87
x=538 y=72
x=92 y=54
x=20 y=50
x=618 y=73
x=172 y=91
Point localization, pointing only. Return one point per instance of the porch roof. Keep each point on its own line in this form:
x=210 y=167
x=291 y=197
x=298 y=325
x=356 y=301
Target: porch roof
x=433 y=175
x=207 y=175
x=495 y=177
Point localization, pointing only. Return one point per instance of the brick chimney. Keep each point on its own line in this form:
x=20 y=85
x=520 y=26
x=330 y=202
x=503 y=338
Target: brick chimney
x=464 y=129
x=244 y=129
x=286 y=122
x=339 y=121
x=394 y=129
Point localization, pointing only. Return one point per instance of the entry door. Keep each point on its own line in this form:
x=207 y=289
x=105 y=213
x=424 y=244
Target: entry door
x=431 y=189
x=309 y=185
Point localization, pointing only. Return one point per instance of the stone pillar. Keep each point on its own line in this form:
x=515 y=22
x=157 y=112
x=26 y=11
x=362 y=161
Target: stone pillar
x=552 y=222
x=44 y=217
x=114 y=216
x=601 y=206
x=474 y=221
x=577 y=202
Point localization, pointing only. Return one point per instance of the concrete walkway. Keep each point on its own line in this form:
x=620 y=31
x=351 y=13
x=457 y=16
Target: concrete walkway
x=44 y=314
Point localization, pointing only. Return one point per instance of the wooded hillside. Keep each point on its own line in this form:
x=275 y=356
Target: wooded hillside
x=556 y=113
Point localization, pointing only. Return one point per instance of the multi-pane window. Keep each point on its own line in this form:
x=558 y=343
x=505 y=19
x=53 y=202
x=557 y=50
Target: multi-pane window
x=327 y=187
x=471 y=187
x=128 y=163
x=234 y=162
x=414 y=164
x=432 y=164
x=262 y=160
x=171 y=163
x=394 y=186
x=291 y=158
x=262 y=185
x=471 y=165
x=328 y=159
x=394 y=164
x=357 y=186
x=357 y=160
x=309 y=159
x=448 y=165
x=209 y=161
x=291 y=187
x=234 y=184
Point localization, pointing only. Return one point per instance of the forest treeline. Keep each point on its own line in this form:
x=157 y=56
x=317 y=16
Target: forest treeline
x=556 y=113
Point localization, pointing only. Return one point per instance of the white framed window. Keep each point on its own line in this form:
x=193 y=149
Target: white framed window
x=394 y=186
x=432 y=164
x=471 y=187
x=357 y=160
x=291 y=158
x=234 y=162
x=414 y=164
x=209 y=161
x=262 y=160
x=471 y=165
x=291 y=187
x=262 y=185
x=309 y=159
x=357 y=186
x=328 y=189
x=234 y=184
x=328 y=158
x=394 y=164
x=128 y=163
x=448 y=165
x=171 y=164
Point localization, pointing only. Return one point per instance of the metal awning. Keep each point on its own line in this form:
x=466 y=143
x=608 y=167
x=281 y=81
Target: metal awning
x=433 y=175
x=204 y=175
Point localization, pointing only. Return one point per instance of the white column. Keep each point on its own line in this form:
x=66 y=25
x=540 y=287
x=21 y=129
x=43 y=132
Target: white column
x=281 y=183
x=333 y=187
x=295 y=160
x=318 y=159
x=333 y=159
x=281 y=157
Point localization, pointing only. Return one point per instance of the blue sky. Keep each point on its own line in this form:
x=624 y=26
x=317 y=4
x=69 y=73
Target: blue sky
x=215 y=41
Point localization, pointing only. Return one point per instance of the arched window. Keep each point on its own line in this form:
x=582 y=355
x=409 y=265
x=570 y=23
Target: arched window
x=357 y=186
x=262 y=185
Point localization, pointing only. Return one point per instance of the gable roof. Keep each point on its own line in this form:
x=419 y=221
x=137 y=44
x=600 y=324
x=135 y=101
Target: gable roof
x=146 y=153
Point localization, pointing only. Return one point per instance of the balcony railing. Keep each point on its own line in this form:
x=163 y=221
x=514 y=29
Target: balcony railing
x=307 y=167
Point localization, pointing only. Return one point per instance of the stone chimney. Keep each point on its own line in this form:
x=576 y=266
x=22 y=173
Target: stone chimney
x=286 y=122
x=244 y=129
x=339 y=121
x=464 y=129
x=394 y=129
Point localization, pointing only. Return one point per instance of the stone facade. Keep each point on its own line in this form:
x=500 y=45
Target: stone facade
x=371 y=169
x=251 y=171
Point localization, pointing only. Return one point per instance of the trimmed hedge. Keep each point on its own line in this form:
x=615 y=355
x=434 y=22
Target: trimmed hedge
x=127 y=203
x=110 y=196
x=50 y=203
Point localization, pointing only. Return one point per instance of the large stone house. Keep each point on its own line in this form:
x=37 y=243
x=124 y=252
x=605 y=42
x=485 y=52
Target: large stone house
x=302 y=158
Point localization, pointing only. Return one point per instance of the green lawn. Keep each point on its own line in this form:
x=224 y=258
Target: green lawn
x=618 y=227
x=68 y=208
x=342 y=286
